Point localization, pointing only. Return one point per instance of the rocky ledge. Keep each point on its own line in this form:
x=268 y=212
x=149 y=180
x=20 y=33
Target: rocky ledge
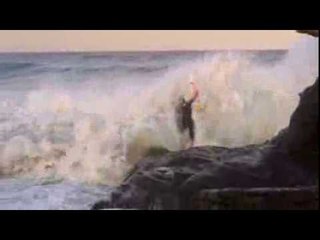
x=299 y=198
x=279 y=174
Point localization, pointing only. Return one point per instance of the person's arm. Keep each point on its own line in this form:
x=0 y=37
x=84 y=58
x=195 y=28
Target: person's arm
x=194 y=92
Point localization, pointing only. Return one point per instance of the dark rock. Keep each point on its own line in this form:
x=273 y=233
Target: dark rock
x=170 y=181
x=306 y=198
x=314 y=33
x=156 y=151
x=301 y=140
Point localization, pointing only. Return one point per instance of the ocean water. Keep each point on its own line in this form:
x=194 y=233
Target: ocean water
x=73 y=124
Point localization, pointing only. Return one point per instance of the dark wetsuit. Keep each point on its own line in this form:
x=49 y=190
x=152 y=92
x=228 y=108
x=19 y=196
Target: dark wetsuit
x=184 y=117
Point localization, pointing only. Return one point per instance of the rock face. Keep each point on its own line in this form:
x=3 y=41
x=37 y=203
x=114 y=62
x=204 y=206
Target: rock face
x=301 y=139
x=302 y=198
x=171 y=181
x=277 y=174
x=314 y=33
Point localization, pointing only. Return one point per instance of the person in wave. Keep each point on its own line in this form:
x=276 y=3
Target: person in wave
x=183 y=114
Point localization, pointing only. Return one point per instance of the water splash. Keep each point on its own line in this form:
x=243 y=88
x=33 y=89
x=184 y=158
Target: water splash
x=95 y=134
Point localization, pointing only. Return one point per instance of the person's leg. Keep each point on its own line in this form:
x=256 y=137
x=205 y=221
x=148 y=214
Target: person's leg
x=191 y=133
x=184 y=139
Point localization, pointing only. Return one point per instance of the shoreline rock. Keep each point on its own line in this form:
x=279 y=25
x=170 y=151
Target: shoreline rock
x=303 y=198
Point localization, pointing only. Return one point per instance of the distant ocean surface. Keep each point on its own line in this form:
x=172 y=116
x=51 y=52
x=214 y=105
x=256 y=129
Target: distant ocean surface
x=73 y=124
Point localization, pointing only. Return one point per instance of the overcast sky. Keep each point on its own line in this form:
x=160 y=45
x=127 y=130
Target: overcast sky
x=84 y=40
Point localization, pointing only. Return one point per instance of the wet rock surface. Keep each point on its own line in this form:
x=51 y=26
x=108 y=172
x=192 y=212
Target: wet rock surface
x=172 y=181
x=299 y=198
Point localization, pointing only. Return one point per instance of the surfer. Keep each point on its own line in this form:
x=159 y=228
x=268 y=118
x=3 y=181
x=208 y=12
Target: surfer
x=183 y=114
